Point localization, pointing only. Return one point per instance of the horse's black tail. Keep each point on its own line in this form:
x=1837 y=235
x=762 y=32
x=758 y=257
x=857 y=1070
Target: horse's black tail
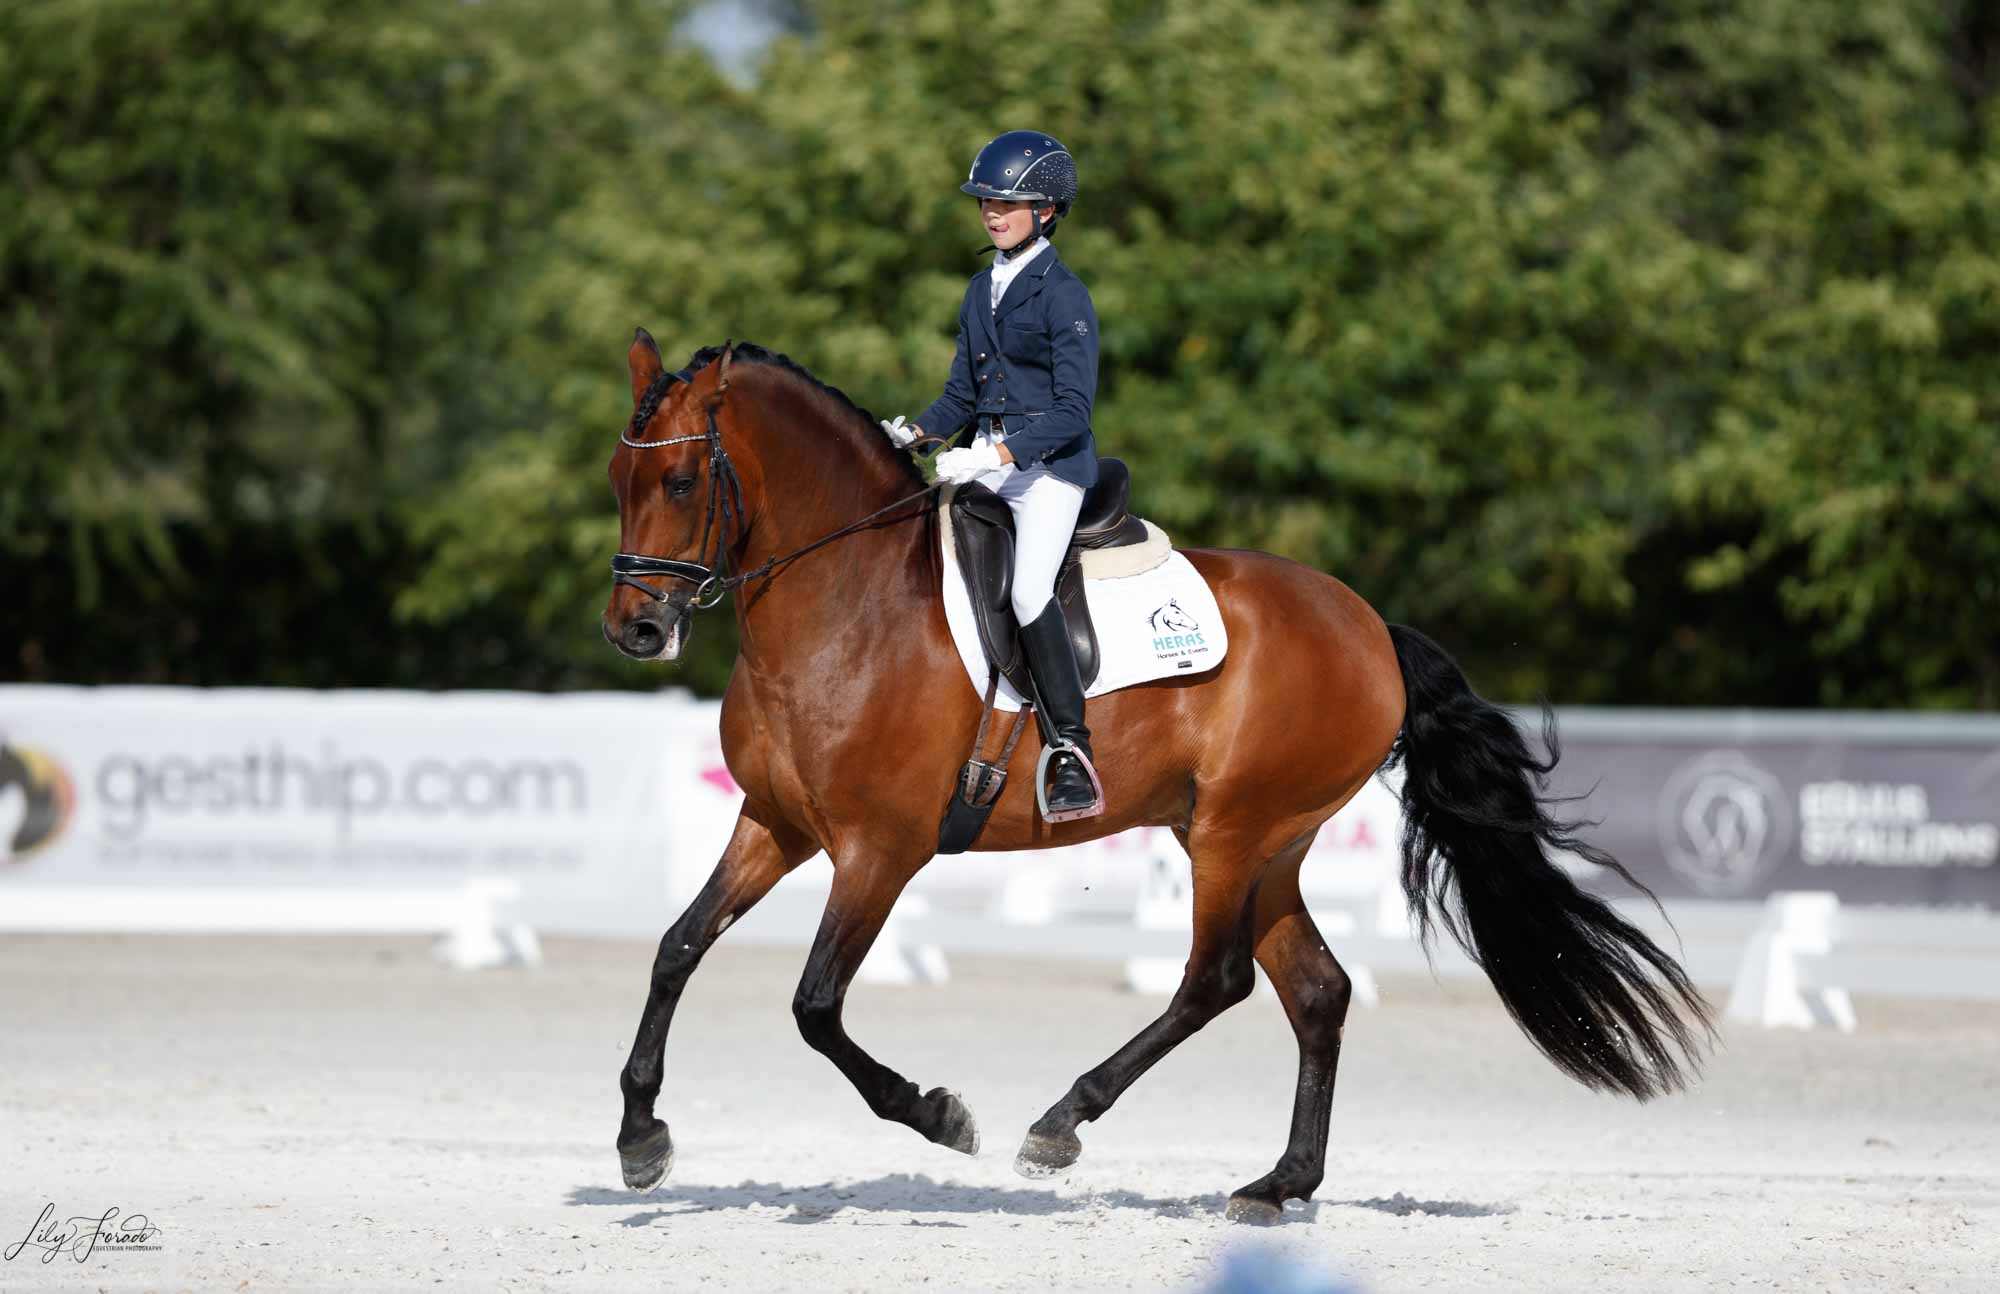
x=1604 y=1002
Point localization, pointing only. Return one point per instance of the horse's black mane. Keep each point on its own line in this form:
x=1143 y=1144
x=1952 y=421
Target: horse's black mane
x=751 y=352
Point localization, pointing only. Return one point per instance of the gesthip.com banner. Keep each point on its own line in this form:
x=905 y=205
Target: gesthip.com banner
x=573 y=796
x=609 y=809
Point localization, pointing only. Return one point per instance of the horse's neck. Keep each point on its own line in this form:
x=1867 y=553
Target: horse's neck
x=816 y=477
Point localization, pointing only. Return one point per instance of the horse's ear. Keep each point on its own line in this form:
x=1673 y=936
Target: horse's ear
x=644 y=361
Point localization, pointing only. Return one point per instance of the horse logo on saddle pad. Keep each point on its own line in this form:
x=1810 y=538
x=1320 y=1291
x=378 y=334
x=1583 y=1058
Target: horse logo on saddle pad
x=1170 y=619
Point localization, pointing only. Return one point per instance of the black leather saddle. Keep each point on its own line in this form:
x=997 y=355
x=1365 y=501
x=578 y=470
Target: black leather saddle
x=982 y=528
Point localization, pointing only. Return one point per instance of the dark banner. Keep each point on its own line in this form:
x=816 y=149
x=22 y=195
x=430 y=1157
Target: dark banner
x=1903 y=810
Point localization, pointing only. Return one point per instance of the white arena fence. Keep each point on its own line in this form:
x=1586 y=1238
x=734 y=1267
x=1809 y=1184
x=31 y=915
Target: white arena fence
x=487 y=818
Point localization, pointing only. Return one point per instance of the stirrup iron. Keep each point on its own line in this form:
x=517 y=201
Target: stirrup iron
x=1095 y=807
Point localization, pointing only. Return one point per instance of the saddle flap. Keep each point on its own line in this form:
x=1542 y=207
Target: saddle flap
x=982 y=531
x=982 y=528
x=1076 y=618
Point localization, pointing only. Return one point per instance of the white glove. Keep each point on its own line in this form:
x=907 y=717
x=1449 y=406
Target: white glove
x=959 y=465
x=901 y=436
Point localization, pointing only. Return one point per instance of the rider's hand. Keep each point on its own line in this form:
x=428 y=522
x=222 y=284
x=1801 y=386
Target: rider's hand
x=901 y=435
x=956 y=465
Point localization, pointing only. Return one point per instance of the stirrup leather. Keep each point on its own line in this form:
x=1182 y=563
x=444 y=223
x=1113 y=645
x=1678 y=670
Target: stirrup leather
x=1093 y=809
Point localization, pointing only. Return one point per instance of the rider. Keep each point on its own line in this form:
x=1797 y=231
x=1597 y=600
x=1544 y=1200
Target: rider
x=1025 y=376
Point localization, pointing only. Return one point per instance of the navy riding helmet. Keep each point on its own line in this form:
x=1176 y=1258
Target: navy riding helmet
x=1025 y=166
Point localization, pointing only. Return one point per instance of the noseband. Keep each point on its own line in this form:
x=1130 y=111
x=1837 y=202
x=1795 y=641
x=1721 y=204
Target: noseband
x=725 y=502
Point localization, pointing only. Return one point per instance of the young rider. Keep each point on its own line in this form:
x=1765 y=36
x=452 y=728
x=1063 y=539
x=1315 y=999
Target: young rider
x=1024 y=377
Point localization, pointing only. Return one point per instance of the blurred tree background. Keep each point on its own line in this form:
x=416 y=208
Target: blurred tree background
x=1643 y=353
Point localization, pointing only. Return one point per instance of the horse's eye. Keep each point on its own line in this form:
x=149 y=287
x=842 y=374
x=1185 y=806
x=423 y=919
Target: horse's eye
x=680 y=485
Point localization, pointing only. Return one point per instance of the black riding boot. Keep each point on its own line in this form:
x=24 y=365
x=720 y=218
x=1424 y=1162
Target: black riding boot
x=1069 y=789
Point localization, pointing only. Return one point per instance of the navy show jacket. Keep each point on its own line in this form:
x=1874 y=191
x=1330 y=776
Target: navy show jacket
x=1032 y=362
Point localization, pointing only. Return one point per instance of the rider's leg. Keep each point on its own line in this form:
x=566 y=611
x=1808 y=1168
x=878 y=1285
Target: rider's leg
x=1045 y=509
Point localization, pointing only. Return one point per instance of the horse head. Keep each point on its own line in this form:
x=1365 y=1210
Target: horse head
x=681 y=503
x=699 y=462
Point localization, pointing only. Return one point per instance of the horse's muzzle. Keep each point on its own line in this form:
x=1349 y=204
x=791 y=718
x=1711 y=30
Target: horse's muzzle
x=655 y=634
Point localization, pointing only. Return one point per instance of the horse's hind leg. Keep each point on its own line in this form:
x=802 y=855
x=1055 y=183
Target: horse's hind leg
x=1218 y=975
x=865 y=888
x=1315 y=992
x=761 y=850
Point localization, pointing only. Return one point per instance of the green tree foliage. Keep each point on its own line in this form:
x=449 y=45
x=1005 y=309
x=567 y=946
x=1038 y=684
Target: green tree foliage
x=261 y=264
x=1642 y=352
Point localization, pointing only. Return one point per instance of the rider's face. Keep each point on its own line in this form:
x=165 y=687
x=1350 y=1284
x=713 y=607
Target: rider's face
x=1007 y=223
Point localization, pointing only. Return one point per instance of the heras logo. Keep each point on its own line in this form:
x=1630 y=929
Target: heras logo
x=37 y=800
x=1174 y=629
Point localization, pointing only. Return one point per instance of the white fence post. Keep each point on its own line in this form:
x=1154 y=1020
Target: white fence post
x=1770 y=990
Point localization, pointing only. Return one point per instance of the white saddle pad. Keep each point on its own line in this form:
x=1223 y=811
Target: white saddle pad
x=1154 y=613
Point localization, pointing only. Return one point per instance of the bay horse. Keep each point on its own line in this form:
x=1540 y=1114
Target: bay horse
x=848 y=715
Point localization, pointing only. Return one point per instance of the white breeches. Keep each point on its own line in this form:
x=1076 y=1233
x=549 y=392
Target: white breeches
x=1045 y=508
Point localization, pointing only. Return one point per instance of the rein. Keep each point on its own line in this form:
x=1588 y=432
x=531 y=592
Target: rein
x=725 y=497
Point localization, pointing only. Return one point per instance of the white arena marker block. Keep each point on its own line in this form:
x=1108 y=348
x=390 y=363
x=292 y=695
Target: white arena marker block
x=1366 y=992
x=1166 y=903
x=1027 y=896
x=1153 y=976
x=894 y=959
x=478 y=939
x=523 y=946
x=1769 y=990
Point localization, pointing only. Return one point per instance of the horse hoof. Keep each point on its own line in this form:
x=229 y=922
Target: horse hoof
x=956 y=1129
x=647 y=1163
x=1253 y=1211
x=1043 y=1155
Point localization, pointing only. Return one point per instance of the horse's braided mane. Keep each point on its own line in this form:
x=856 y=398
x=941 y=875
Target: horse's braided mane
x=751 y=352
x=649 y=404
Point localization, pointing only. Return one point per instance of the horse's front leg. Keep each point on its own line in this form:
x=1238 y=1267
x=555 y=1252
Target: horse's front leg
x=865 y=887
x=762 y=849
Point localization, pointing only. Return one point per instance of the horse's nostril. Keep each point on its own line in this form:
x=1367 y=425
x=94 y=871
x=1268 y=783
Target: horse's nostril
x=642 y=638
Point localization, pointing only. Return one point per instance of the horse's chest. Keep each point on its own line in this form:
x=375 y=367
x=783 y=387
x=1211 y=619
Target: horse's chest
x=769 y=751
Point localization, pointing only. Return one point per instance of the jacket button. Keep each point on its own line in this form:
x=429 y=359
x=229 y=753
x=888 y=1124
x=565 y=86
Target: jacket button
x=982 y=354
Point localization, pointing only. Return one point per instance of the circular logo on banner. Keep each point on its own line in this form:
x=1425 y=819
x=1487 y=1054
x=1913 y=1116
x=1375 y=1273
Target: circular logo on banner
x=1724 y=823
x=36 y=800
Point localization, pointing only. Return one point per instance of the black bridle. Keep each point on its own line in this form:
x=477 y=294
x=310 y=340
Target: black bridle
x=725 y=502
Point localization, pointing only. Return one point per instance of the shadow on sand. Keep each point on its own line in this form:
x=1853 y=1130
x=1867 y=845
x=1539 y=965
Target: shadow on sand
x=1403 y=1206
x=917 y=1193
x=893 y=1193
